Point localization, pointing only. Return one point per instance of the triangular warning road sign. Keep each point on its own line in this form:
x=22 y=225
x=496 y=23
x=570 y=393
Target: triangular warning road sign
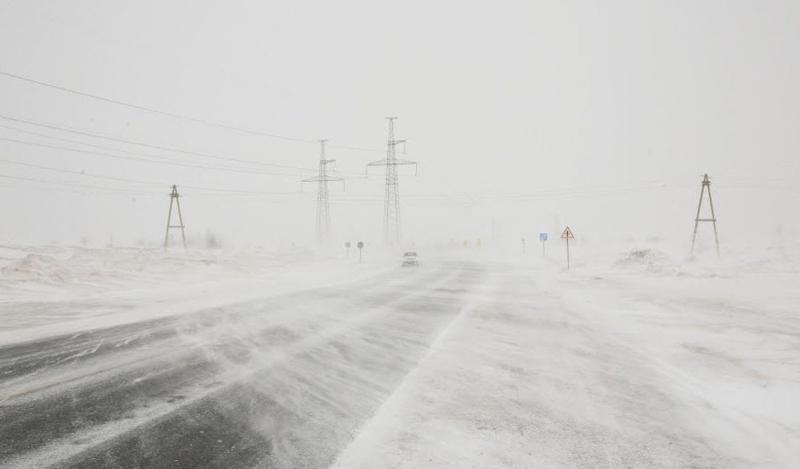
x=567 y=234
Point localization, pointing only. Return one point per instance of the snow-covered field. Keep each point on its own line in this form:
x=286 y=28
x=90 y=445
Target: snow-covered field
x=53 y=289
x=637 y=357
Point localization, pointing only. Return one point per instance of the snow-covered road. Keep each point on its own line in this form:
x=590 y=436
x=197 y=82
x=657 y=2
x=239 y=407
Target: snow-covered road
x=549 y=369
x=457 y=364
x=281 y=382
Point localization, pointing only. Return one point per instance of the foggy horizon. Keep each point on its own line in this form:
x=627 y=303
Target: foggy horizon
x=519 y=114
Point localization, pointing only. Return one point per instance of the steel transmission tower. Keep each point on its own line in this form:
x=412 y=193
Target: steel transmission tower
x=391 y=205
x=323 y=225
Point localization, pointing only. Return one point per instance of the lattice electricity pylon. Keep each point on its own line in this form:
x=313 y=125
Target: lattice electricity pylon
x=705 y=186
x=323 y=204
x=174 y=199
x=391 y=206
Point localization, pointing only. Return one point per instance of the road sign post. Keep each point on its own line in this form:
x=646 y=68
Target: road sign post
x=347 y=246
x=543 y=239
x=360 y=246
x=566 y=235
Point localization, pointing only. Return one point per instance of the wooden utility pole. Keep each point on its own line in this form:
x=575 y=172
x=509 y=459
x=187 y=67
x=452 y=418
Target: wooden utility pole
x=705 y=186
x=174 y=199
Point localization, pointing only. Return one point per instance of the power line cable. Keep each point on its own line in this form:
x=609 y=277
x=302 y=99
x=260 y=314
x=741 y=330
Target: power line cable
x=211 y=190
x=69 y=184
x=77 y=142
x=66 y=190
x=139 y=181
x=141 y=144
x=177 y=115
x=78 y=173
x=136 y=143
x=87 y=144
x=146 y=160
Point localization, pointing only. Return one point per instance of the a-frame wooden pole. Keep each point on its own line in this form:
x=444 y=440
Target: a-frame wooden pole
x=174 y=197
x=705 y=186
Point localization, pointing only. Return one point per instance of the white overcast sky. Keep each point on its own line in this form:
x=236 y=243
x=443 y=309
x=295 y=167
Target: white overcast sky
x=523 y=115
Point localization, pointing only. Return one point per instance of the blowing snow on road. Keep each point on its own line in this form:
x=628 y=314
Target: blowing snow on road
x=480 y=363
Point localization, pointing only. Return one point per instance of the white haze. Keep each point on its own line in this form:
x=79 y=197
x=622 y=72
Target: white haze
x=251 y=348
x=524 y=116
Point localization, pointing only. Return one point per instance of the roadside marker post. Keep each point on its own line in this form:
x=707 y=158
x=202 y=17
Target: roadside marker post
x=567 y=235
x=347 y=246
x=360 y=246
x=543 y=239
x=523 y=245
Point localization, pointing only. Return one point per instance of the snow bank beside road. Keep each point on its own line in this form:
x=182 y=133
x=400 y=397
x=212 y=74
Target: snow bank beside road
x=37 y=268
x=46 y=290
x=647 y=260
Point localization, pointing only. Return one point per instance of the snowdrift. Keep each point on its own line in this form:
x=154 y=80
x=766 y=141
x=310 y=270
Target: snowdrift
x=646 y=260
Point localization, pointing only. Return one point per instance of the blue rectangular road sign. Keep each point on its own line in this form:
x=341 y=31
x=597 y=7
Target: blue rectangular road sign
x=542 y=237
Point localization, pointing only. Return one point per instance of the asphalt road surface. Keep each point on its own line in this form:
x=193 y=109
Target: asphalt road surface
x=282 y=382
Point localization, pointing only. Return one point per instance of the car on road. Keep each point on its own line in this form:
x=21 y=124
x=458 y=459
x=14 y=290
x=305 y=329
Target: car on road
x=410 y=259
